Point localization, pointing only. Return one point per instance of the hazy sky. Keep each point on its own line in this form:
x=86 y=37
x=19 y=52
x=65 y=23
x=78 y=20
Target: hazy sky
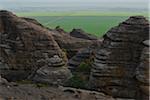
x=74 y=1
x=76 y=4
x=77 y=0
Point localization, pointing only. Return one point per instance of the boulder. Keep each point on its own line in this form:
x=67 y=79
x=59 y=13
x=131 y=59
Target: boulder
x=117 y=58
x=26 y=48
x=52 y=76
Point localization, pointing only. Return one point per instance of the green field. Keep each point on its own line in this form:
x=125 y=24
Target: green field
x=96 y=25
x=92 y=22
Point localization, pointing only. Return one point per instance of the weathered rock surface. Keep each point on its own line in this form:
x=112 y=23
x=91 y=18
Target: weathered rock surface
x=113 y=71
x=27 y=49
x=71 y=45
x=30 y=51
x=79 y=33
x=3 y=81
x=32 y=21
x=82 y=55
x=142 y=72
x=30 y=92
x=53 y=76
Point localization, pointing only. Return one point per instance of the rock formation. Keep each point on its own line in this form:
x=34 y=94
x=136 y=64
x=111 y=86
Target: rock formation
x=32 y=21
x=113 y=71
x=71 y=45
x=3 y=81
x=29 y=51
x=142 y=72
x=30 y=92
x=76 y=60
x=79 y=33
x=82 y=55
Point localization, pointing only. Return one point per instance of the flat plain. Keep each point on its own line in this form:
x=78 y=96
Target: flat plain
x=91 y=22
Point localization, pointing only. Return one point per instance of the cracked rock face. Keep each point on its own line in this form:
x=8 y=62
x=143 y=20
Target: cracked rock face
x=26 y=47
x=142 y=71
x=113 y=71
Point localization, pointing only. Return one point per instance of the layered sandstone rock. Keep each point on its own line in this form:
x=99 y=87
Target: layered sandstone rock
x=3 y=81
x=27 y=49
x=85 y=54
x=30 y=92
x=32 y=21
x=142 y=72
x=71 y=45
x=113 y=71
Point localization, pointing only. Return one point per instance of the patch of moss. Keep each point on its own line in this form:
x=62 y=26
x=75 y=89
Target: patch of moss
x=76 y=81
x=64 y=50
x=39 y=85
x=84 y=67
x=81 y=75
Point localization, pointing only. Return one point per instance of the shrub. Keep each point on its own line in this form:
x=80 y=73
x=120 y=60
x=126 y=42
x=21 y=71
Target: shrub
x=76 y=82
x=84 y=67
